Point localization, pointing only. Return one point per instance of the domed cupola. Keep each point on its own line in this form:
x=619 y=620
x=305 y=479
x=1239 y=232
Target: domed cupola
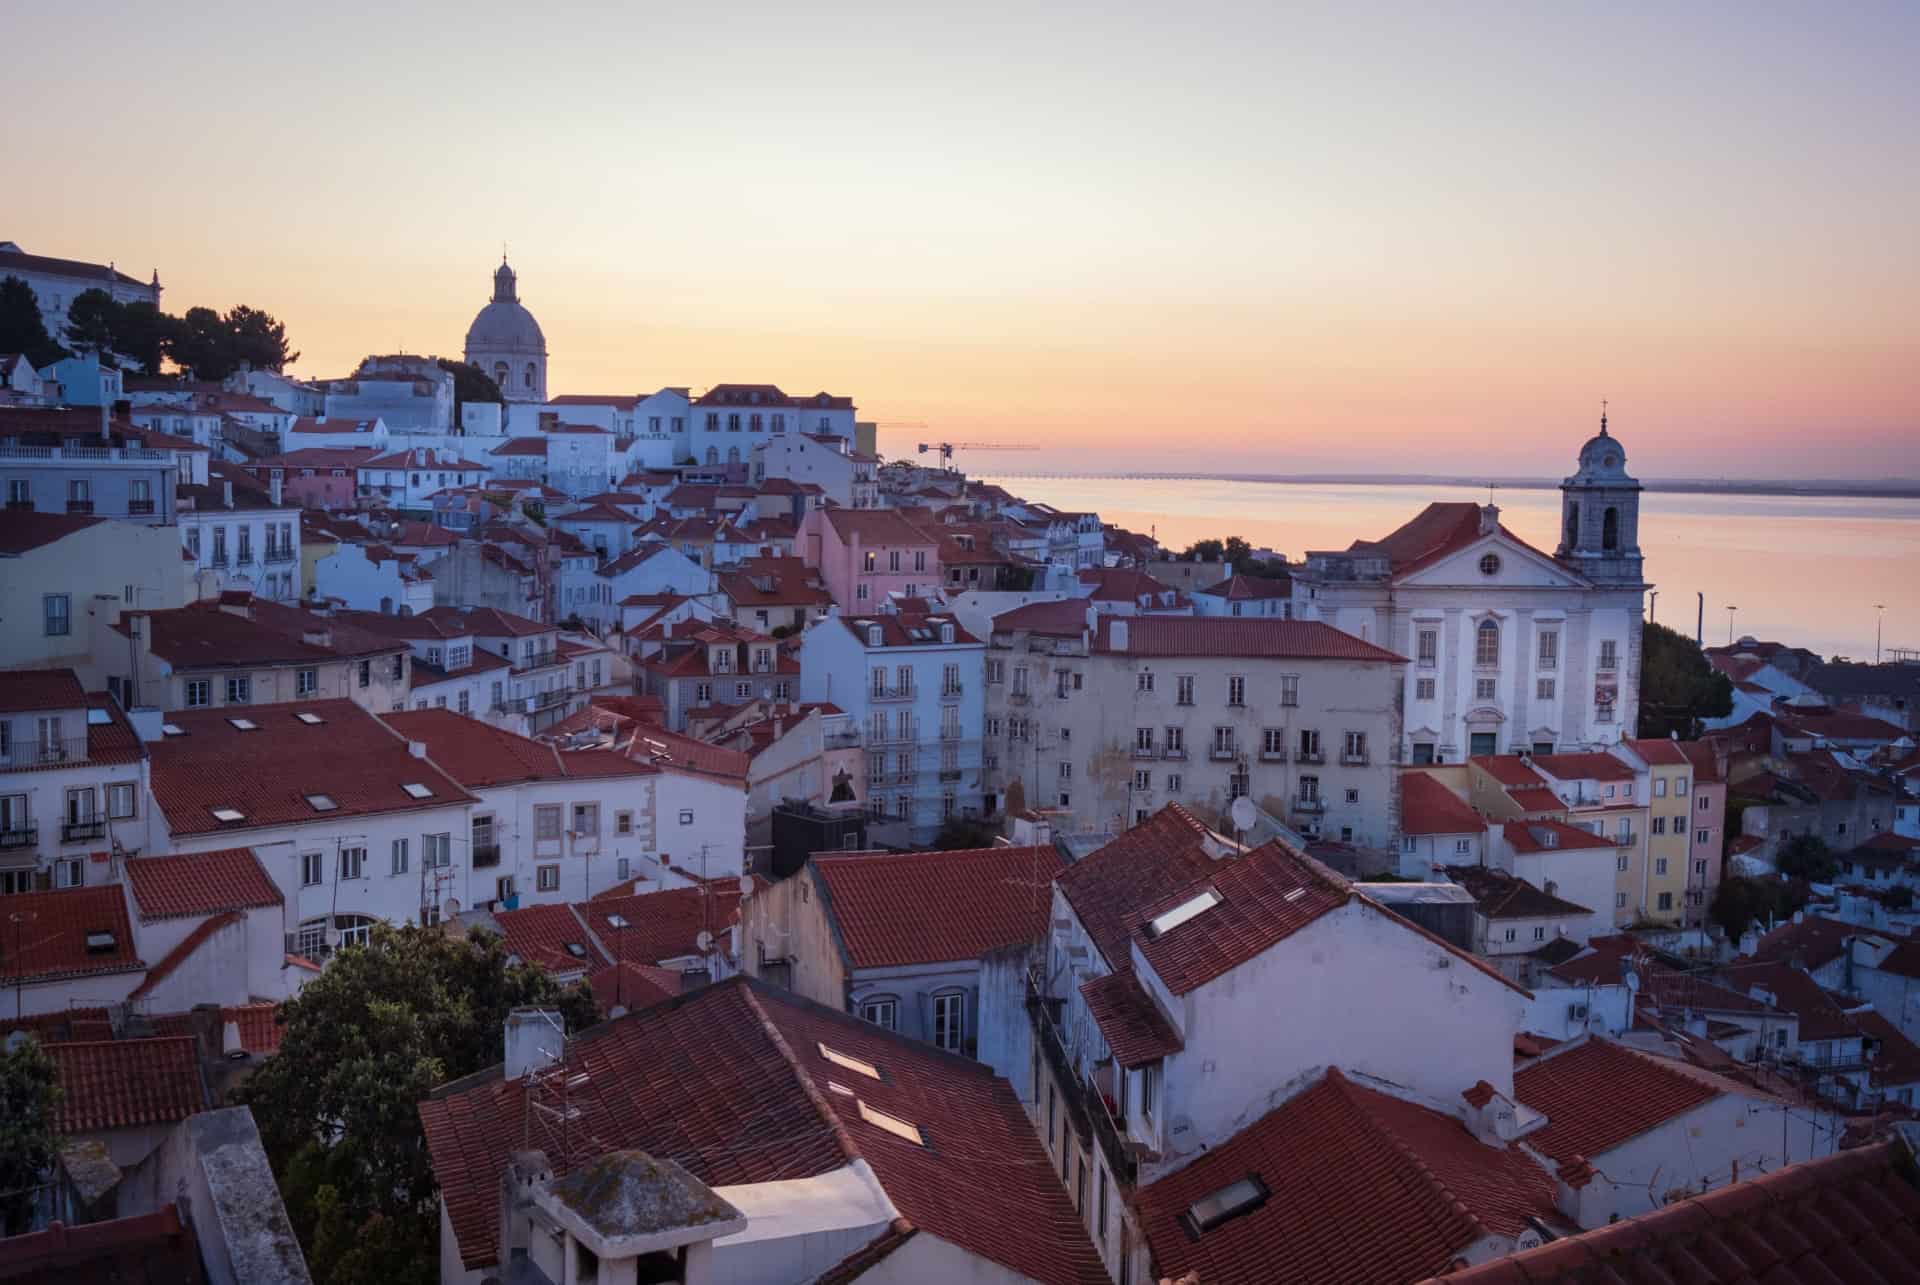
x=1600 y=513
x=507 y=343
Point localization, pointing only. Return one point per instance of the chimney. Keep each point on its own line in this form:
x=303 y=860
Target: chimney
x=273 y=486
x=227 y=489
x=535 y=1037
x=146 y=720
x=1117 y=635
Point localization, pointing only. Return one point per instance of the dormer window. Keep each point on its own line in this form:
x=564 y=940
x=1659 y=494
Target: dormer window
x=1232 y=1200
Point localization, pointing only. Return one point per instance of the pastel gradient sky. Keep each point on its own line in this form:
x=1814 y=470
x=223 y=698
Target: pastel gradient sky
x=1257 y=236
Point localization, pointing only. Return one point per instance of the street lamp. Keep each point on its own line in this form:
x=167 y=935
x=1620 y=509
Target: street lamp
x=1878 y=620
x=1730 y=610
x=1653 y=601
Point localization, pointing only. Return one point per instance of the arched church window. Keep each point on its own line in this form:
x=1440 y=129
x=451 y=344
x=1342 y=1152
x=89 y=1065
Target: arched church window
x=1610 y=530
x=1573 y=525
x=500 y=373
x=530 y=374
x=1486 y=644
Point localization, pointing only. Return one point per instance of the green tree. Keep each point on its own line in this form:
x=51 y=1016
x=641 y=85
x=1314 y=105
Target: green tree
x=1205 y=551
x=29 y=1096
x=144 y=335
x=1236 y=551
x=384 y=1024
x=1807 y=857
x=22 y=329
x=470 y=384
x=201 y=344
x=1678 y=686
x=1743 y=901
x=92 y=319
x=213 y=346
x=957 y=833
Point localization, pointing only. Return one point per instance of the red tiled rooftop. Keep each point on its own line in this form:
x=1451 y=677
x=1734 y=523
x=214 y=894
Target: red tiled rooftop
x=1428 y=807
x=898 y=909
x=1852 y=1217
x=199 y=883
x=141 y=1247
x=1142 y=865
x=23 y=531
x=1545 y=835
x=541 y=936
x=629 y=986
x=1362 y=1186
x=46 y=936
x=1507 y=769
x=1228 y=636
x=1135 y=1029
x=662 y=925
x=1058 y=619
x=116 y=1084
x=479 y=755
x=1593 y=766
x=1597 y=1094
x=26 y=690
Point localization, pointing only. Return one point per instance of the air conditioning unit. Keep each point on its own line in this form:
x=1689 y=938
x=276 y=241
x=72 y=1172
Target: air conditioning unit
x=1576 y=1012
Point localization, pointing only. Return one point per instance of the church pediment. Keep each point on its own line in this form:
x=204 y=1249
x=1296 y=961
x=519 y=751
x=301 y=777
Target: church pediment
x=1496 y=560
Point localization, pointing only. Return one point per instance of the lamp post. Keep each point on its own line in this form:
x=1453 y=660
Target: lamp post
x=1730 y=610
x=1653 y=601
x=1879 y=619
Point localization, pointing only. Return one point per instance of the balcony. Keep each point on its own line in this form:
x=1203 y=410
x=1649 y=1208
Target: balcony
x=274 y=555
x=485 y=854
x=1314 y=805
x=83 y=831
x=24 y=756
x=139 y=508
x=950 y=774
x=1310 y=756
x=840 y=740
x=1353 y=758
x=951 y=692
x=1112 y=1138
x=24 y=836
x=80 y=506
x=891 y=693
x=1174 y=753
x=1019 y=697
x=19 y=506
x=1143 y=752
x=949 y=733
x=1223 y=754
x=1273 y=756
x=219 y=559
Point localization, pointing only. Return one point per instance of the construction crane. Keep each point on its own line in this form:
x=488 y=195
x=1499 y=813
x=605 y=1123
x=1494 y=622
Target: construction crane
x=947 y=449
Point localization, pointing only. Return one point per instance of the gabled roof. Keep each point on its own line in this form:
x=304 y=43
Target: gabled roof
x=48 y=938
x=1142 y=865
x=730 y=1082
x=199 y=883
x=267 y=773
x=875 y=527
x=1795 y=992
x=23 y=531
x=1594 y=766
x=1131 y=1023
x=24 y=691
x=1502 y=896
x=1429 y=807
x=1362 y=1186
x=1853 y=1216
x=118 y=1084
x=1065 y=618
x=1549 y=835
x=907 y=629
x=890 y=910
x=1597 y=1094
x=480 y=755
x=206 y=635
x=552 y=938
x=665 y=924
x=1156 y=636
x=627 y=985
x=1239 y=588
x=1437 y=531
x=1812 y=941
x=140 y=1247
x=488 y=622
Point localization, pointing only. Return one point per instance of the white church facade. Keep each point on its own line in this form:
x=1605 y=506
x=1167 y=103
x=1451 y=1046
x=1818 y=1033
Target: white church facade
x=1509 y=648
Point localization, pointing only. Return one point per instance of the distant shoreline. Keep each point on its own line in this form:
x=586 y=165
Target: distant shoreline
x=1895 y=489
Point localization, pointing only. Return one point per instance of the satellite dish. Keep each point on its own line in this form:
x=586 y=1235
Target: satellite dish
x=451 y=909
x=15 y=1039
x=746 y=886
x=332 y=937
x=1243 y=815
x=1632 y=978
x=704 y=941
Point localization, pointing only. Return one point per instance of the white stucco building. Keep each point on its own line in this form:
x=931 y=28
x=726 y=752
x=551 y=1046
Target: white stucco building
x=1510 y=648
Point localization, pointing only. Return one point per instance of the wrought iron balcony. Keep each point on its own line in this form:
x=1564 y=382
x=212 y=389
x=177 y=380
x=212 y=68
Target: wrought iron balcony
x=486 y=854
x=1143 y=751
x=1176 y=753
x=1355 y=758
x=79 y=506
x=1315 y=804
x=1273 y=756
x=137 y=508
x=1223 y=754
x=1309 y=756
x=25 y=755
x=23 y=836
x=83 y=831
x=891 y=693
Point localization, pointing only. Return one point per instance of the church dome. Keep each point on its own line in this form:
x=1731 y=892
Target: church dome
x=505 y=326
x=1603 y=457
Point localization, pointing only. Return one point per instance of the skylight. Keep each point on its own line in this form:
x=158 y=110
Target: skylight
x=1296 y=894
x=892 y=1124
x=172 y=729
x=98 y=718
x=415 y=790
x=321 y=802
x=1230 y=1201
x=310 y=719
x=1167 y=921
x=617 y=921
x=244 y=724
x=850 y=1062
x=100 y=942
x=229 y=814
x=575 y=949
x=834 y=1086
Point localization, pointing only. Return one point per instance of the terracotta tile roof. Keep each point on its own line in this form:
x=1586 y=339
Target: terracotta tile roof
x=479 y=755
x=1813 y=942
x=777 y=582
x=627 y=985
x=541 y=935
x=267 y=774
x=117 y=1084
x=619 y=401
x=1593 y=766
x=1896 y=1059
x=729 y=1081
x=1065 y=618
x=1137 y=867
x=1362 y=1186
x=1597 y=1094
x=207 y=635
x=663 y=925
x=199 y=883
x=141 y=1247
x=1239 y=588
x=1507 y=769
x=870 y=1255
x=875 y=528
x=1548 y=835
x=899 y=628
x=1854 y=1216
x=22 y=531
x=25 y=690
x=522 y=446
x=488 y=622
x=1135 y=1029
x=420 y=457
x=1821 y=1018
x=1265 y=897
x=184 y=951
x=1228 y=636
x=1664 y=753
x=1429 y=807
x=895 y=909
x=1837 y=724
x=654 y=746
x=46 y=939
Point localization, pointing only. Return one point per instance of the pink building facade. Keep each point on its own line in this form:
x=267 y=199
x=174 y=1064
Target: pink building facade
x=315 y=477
x=865 y=554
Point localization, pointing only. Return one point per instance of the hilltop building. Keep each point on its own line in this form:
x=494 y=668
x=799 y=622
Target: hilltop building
x=506 y=342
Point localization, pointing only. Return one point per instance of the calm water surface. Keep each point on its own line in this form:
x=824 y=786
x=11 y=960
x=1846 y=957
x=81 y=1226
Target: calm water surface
x=1803 y=570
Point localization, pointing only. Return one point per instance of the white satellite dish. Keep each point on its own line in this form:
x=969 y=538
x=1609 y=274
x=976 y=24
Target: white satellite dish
x=451 y=909
x=331 y=936
x=1243 y=813
x=704 y=941
x=746 y=886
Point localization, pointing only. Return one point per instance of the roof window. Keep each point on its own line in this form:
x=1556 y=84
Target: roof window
x=415 y=790
x=244 y=724
x=98 y=718
x=850 y=1062
x=309 y=718
x=575 y=949
x=1167 y=921
x=1232 y=1200
x=321 y=802
x=172 y=729
x=892 y=1124
x=100 y=942
x=228 y=814
x=617 y=921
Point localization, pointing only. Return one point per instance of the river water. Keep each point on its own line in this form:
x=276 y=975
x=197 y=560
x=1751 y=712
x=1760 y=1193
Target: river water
x=1803 y=570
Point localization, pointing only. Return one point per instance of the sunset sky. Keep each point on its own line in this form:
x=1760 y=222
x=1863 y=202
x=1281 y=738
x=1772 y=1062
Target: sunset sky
x=1256 y=236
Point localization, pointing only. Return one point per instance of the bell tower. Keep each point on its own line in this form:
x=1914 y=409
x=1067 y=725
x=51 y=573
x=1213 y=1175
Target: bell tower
x=1600 y=513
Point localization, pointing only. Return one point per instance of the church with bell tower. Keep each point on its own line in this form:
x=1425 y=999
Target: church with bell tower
x=1600 y=514
x=506 y=342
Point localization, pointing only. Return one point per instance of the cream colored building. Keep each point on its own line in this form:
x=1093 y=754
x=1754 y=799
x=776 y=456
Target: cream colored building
x=1109 y=720
x=61 y=573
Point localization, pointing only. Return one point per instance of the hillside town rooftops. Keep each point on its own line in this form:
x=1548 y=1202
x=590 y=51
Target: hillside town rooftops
x=1428 y=807
x=1597 y=1094
x=896 y=909
x=67 y=933
x=199 y=883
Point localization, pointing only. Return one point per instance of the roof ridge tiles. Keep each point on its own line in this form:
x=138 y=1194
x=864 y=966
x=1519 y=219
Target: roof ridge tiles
x=1345 y=1086
x=836 y=1127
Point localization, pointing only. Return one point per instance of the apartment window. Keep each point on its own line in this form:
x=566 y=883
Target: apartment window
x=547 y=878
x=1065 y=772
x=1353 y=796
x=1142 y=779
x=1486 y=644
x=1019 y=680
x=1512 y=933
x=686 y=816
x=1238 y=785
x=366 y=677
x=1149 y=1089
x=1543 y=689
x=1680 y=787
x=1223 y=740
x=1183 y=689
x=466 y=701
x=306 y=682
x=546 y=821
x=120 y=801
x=1659 y=865
x=1176 y=740
x=1666 y=901
x=69 y=873
x=193 y=542
x=1659 y=787
x=1143 y=739
x=1422 y=752
x=1485 y=689
x=1173 y=783
x=882 y=1012
x=950 y=1020
x=586 y=820
x=1143 y=681
x=623 y=822
x=398 y=857
x=1289 y=689
x=1423 y=689
x=1659 y=825
x=1236 y=690
x=57 y=611
x=1700 y=868
x=1309 y=744
x=312 y=869
x=1549 y=650
x=1701 y=836
x=1273 y=741
x=239 y=690
x=353 y=863
x=1620 y=862
x=996 y=671
x=1428 y=646
x=1620 y=903
x=1309 y=788
x=1355 y=750
x=1609 y=658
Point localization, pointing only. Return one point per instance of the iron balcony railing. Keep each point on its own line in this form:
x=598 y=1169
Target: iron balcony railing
x=891 y=693
x=138 y=507
x=486 y=854
x=1310 y=805
x=20 y=836
x=24 y=756
x=1309 y=756
x=84 y=830
x=1354 y=758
